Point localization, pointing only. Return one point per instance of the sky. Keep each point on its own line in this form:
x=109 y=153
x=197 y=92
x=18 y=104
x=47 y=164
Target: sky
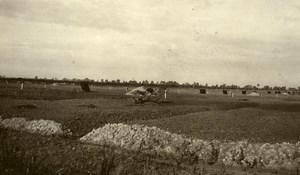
x=207 y=41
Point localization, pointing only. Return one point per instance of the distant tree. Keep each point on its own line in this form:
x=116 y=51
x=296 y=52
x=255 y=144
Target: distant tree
x=171 y=83
x=152 y=82
x=145 y=82
x=186 y=84
x=118 y=81
x=162 y=82
x=234 y=86
x=228 y=87
x=132 y=82
x=36 y=77
x=223 y=86
x=248 y=87
x=292 y=89
x=266 y=87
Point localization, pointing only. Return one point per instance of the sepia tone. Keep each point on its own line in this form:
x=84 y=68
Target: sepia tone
x=115 y=87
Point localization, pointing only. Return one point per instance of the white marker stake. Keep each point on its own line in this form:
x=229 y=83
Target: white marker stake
x=22 y=86
x=165 y=94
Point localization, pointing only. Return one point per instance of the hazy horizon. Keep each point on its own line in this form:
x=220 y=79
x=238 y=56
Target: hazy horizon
x=207 y=41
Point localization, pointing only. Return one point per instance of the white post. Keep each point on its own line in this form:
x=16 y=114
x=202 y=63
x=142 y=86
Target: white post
x=231 y=94
x=165 y=94
x=22 y=86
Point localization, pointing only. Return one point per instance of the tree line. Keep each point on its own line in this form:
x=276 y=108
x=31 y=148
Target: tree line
x=38 y=80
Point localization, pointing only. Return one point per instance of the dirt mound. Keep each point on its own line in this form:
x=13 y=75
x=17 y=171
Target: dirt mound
x=136 y=137
x=15 y=123
x=155 y=140
x=254 y=94
x=45 y=127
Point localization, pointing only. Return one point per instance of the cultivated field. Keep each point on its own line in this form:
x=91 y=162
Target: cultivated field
x=267 y=119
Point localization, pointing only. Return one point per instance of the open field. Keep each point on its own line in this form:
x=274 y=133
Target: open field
x=209 y=117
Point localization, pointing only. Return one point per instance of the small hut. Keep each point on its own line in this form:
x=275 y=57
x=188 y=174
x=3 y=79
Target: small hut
x=85 y=86
x=202 y=91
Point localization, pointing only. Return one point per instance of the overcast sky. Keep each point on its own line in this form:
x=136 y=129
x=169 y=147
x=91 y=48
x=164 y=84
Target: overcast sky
x=206 y=41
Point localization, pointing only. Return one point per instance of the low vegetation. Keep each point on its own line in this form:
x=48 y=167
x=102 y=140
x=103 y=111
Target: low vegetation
x=201 y=117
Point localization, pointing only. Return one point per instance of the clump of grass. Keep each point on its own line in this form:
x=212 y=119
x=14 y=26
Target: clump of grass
x=107 y=165
x=14 y=160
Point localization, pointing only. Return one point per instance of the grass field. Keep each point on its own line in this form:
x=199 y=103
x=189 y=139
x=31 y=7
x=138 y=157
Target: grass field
x=209 y=117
